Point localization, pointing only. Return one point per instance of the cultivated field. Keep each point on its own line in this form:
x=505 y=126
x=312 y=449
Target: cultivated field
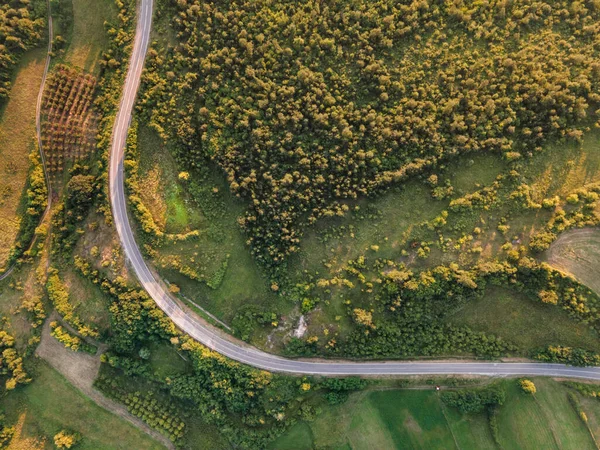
x=69 y=124
x=417 y=419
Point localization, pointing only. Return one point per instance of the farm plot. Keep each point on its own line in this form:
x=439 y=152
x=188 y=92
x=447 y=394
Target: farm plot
x=69 y=120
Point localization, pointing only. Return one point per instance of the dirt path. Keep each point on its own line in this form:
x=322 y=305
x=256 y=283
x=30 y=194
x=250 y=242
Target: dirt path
x=81 y=369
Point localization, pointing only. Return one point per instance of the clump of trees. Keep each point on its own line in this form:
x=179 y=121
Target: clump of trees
x=340 y=388
x=307 y=106
x=37 y=200
x=245 y=320
x=11 y=363
x=135 y=317
x=475 y=400
x=527 y=386
x=70 y=340
x=21 y=28
x=157 y=413
x=568 y=355
x=66 y=439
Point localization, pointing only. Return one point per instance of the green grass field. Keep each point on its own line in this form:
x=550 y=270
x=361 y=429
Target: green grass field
x=90 y=303
x=52 y=404
x=221 y=242
x=17 y=140
x=546 y=421
x=391 y=222
x=417 y=419
x=89 y=38
x=526 y=322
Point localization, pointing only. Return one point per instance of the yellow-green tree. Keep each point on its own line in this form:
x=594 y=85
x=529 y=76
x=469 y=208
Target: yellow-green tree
x=528 y=386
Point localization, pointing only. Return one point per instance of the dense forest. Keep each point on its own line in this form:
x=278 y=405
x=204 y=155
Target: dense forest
x=21 y=27
x=306 y=105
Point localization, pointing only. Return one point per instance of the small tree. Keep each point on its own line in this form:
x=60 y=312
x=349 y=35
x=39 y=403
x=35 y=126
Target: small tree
x=528 y=386
x=144 y=353
x=66 y=439
x=363 y=317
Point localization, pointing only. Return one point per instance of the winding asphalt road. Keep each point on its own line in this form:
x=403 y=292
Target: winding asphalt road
x=217 y=340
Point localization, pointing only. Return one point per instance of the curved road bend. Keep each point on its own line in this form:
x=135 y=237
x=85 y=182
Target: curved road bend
x=210 y=336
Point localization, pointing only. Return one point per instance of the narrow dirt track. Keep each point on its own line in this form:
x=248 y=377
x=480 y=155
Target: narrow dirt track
x=81 y=370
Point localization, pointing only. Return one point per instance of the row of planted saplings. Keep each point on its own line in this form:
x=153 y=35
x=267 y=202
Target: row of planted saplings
x=69 y=127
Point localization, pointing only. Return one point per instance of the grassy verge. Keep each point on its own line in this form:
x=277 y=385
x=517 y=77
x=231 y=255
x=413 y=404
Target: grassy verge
x=52 y=404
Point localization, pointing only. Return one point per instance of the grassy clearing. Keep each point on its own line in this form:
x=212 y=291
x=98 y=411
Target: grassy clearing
x=52 y=404
x=219 y=256
x=373 y=420
x=546 y=421
x=417 y=419
x=469 y=430
x=172 y=207
x=393 y=220
x=165 y=361
x=565 y=167
x=526 y=322
x=90 y=303
x=413 y=419
x=12 y=291
x=567 y=427
x=17 y=134
x=298 y=437
x=89 y=38
x=591 y=407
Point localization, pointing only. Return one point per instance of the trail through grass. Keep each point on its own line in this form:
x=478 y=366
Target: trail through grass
x=52 y=404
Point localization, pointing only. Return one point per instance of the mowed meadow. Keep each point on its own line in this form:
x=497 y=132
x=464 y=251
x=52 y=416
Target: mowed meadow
x=17 y=140
x=418 y=419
